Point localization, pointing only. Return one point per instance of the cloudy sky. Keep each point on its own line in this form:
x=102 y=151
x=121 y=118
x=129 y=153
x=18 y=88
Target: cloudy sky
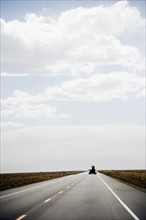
x=73 y=85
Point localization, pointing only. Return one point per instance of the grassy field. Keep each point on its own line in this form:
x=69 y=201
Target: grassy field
x=12 y=180
x=135 y=177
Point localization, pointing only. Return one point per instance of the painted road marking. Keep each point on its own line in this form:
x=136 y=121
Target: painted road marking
x=21 y=217
x=68 y=187
x=47 y=200
x=50 y=181
x=60 y=192
x=123 y=204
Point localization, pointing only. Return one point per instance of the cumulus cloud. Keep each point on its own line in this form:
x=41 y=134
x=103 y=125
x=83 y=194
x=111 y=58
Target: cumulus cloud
x=108 y=146
x=99 y=87
x=96 y=88
x=103 y=20
x=81 y=37
x=24 y=105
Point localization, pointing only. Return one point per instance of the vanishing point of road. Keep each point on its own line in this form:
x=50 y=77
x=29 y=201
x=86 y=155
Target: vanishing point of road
x=74 y=197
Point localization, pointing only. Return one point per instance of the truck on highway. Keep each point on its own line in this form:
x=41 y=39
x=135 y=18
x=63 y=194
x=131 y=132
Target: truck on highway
x=92 y=170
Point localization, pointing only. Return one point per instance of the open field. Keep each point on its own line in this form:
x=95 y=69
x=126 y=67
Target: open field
x=12 y=180
x=135 y=177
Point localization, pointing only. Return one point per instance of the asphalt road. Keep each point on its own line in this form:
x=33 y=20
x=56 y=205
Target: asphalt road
x=74 y=197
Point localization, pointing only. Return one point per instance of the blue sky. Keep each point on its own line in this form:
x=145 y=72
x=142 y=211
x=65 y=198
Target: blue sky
x=73 y=85
x=17 y=9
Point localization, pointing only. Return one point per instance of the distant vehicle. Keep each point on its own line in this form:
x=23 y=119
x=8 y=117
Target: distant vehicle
x=92 y=170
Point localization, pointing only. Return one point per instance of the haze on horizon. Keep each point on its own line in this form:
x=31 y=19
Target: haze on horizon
x=73 y=85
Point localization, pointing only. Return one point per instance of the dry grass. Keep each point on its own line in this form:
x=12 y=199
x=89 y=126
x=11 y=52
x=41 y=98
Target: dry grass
x=135 y=177
x=12 y=180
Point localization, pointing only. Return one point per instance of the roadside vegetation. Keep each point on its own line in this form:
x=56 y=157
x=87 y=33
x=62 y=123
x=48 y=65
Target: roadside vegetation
x=134 y=177
x=12 y=180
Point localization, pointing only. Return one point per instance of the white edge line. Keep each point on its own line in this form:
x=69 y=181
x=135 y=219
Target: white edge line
x=47 y=200
x=21 y=217
x=124 y=205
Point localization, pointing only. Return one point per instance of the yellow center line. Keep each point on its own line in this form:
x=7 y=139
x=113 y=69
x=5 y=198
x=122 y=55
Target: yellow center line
x=21 y=217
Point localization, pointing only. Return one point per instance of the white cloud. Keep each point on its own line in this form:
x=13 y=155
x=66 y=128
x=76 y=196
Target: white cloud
x=103 y=20
x=96 y=88
x=24 y=105
x=80 y=37
x=99 y=87
x=108 y=146
x=30 y=111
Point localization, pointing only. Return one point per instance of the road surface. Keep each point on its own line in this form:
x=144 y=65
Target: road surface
x=74 y=197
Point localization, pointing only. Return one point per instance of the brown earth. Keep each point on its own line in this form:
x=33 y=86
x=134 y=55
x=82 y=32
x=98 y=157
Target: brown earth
x=134 y=177
x=12 y=180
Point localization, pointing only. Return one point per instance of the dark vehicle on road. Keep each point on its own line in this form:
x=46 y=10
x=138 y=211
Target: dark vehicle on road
x=92 y=170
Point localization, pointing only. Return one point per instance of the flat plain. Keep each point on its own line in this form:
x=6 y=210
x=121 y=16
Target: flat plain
x=13 y=180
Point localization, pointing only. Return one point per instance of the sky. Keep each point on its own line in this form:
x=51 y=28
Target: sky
x=72 y=85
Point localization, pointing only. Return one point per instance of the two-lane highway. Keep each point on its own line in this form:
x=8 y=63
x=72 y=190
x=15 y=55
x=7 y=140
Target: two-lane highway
x=80 y=196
